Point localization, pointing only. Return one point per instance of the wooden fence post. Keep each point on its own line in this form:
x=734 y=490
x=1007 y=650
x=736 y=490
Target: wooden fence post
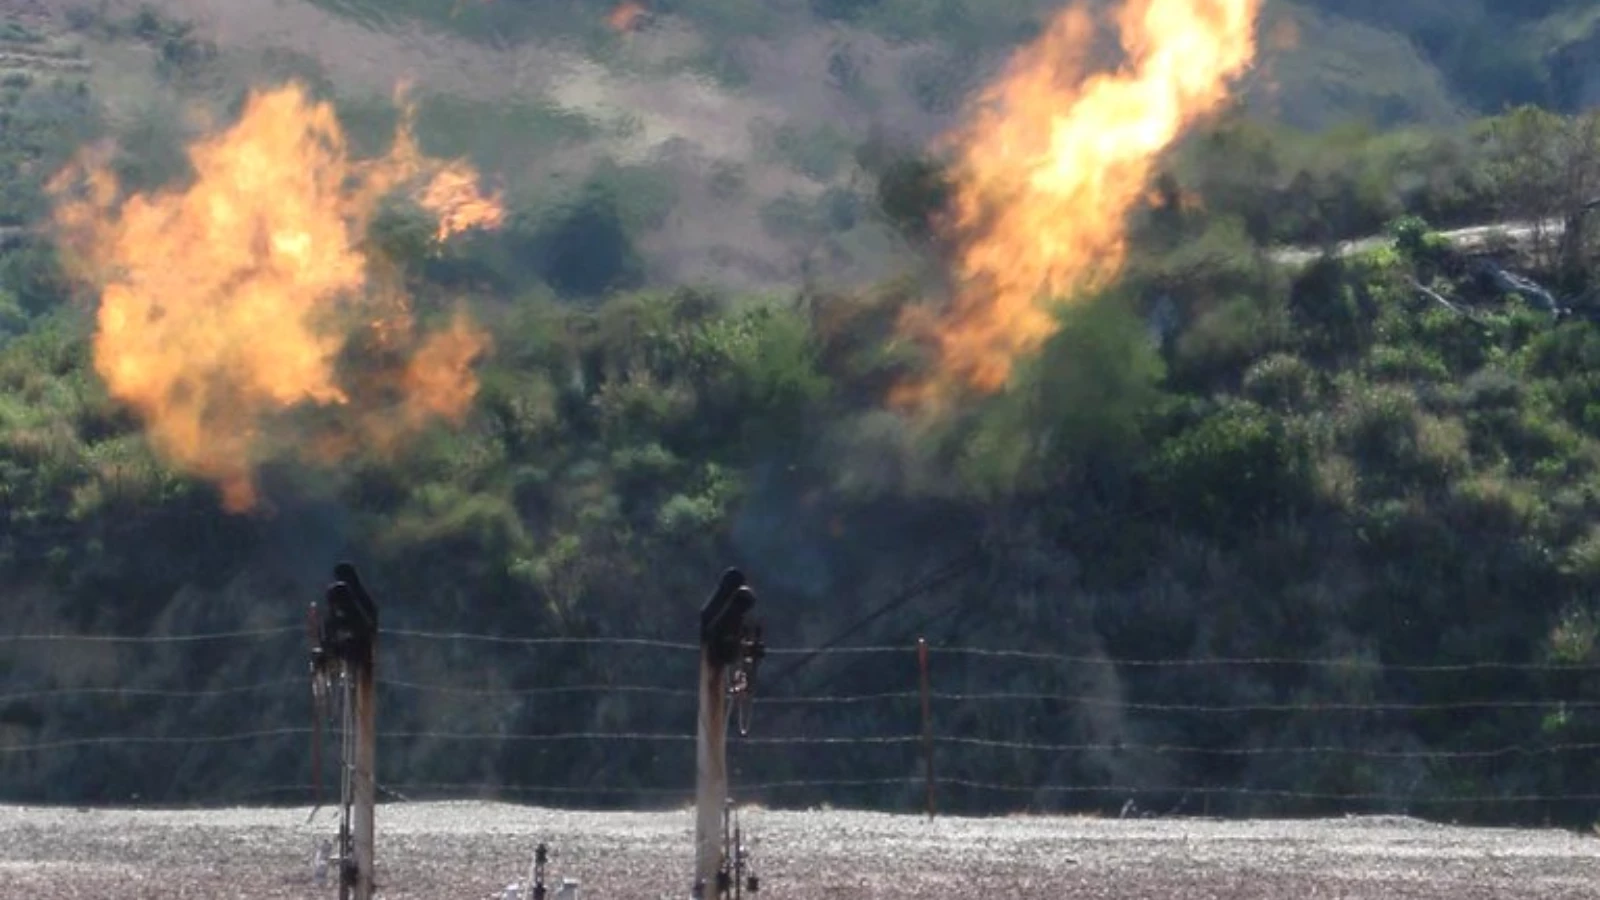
x=711 y=774
x=363 y=815
x=348 y=639
x=927 y=720
x=720 y=622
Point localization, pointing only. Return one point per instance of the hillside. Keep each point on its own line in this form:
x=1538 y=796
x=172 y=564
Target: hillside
x=731 y=285
x=755 y=118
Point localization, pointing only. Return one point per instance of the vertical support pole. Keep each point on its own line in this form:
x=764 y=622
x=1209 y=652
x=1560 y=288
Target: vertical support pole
x=927 y=719
x=721 y=621
x=363 y=822
x=352 y=638
x=711 y=772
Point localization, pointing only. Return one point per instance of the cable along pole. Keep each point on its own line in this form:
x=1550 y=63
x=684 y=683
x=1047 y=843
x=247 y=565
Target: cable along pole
x=344 y=682
x=731 y=648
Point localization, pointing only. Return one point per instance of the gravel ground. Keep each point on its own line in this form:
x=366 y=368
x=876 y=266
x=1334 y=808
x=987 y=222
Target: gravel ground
x=473 y=850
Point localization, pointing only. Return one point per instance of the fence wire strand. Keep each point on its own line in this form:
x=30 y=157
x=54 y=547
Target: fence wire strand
x=296 y=685
x=806 y=740
x=65 y=638
x=804 y=732
x=1357 y=663
x=495 y=791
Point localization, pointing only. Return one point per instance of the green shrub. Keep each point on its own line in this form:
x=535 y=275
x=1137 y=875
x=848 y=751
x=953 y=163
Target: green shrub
x=1281 y=381
x=1224 y=340
x=1234 y=471
x=1334 y=312
x=1395 y=443
x=1095 y=383
x=1462 y=343
x=1408 y=363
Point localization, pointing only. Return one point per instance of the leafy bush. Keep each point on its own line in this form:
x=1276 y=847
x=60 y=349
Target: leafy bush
x=1236 y=469
x=1281 y=381
x=1088 y=396
x=1224 y=340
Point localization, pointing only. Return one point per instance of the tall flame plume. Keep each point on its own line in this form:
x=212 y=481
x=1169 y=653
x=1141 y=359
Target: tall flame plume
x=228 y=301
x=1050 y=162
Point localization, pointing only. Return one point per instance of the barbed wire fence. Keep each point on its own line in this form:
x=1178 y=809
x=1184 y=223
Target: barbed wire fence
x=467 y=715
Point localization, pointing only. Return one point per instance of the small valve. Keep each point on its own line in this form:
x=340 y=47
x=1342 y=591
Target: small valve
x=319 y=862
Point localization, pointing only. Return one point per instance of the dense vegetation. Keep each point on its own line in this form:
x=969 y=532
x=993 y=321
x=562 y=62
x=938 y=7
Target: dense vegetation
x=1385 y=460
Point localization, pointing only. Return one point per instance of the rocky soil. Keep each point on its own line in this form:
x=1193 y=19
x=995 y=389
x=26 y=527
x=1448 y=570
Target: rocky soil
x=474 y=850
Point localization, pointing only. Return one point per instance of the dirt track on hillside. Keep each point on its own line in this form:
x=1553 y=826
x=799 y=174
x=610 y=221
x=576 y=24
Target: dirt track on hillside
x=473 y=850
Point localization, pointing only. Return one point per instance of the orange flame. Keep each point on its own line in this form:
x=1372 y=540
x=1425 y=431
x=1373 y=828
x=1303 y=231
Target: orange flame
x=626 y=16
x=438 y=380
x=228 y=301
x=452 y=192
x=1048 y=166
x=453 y=197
